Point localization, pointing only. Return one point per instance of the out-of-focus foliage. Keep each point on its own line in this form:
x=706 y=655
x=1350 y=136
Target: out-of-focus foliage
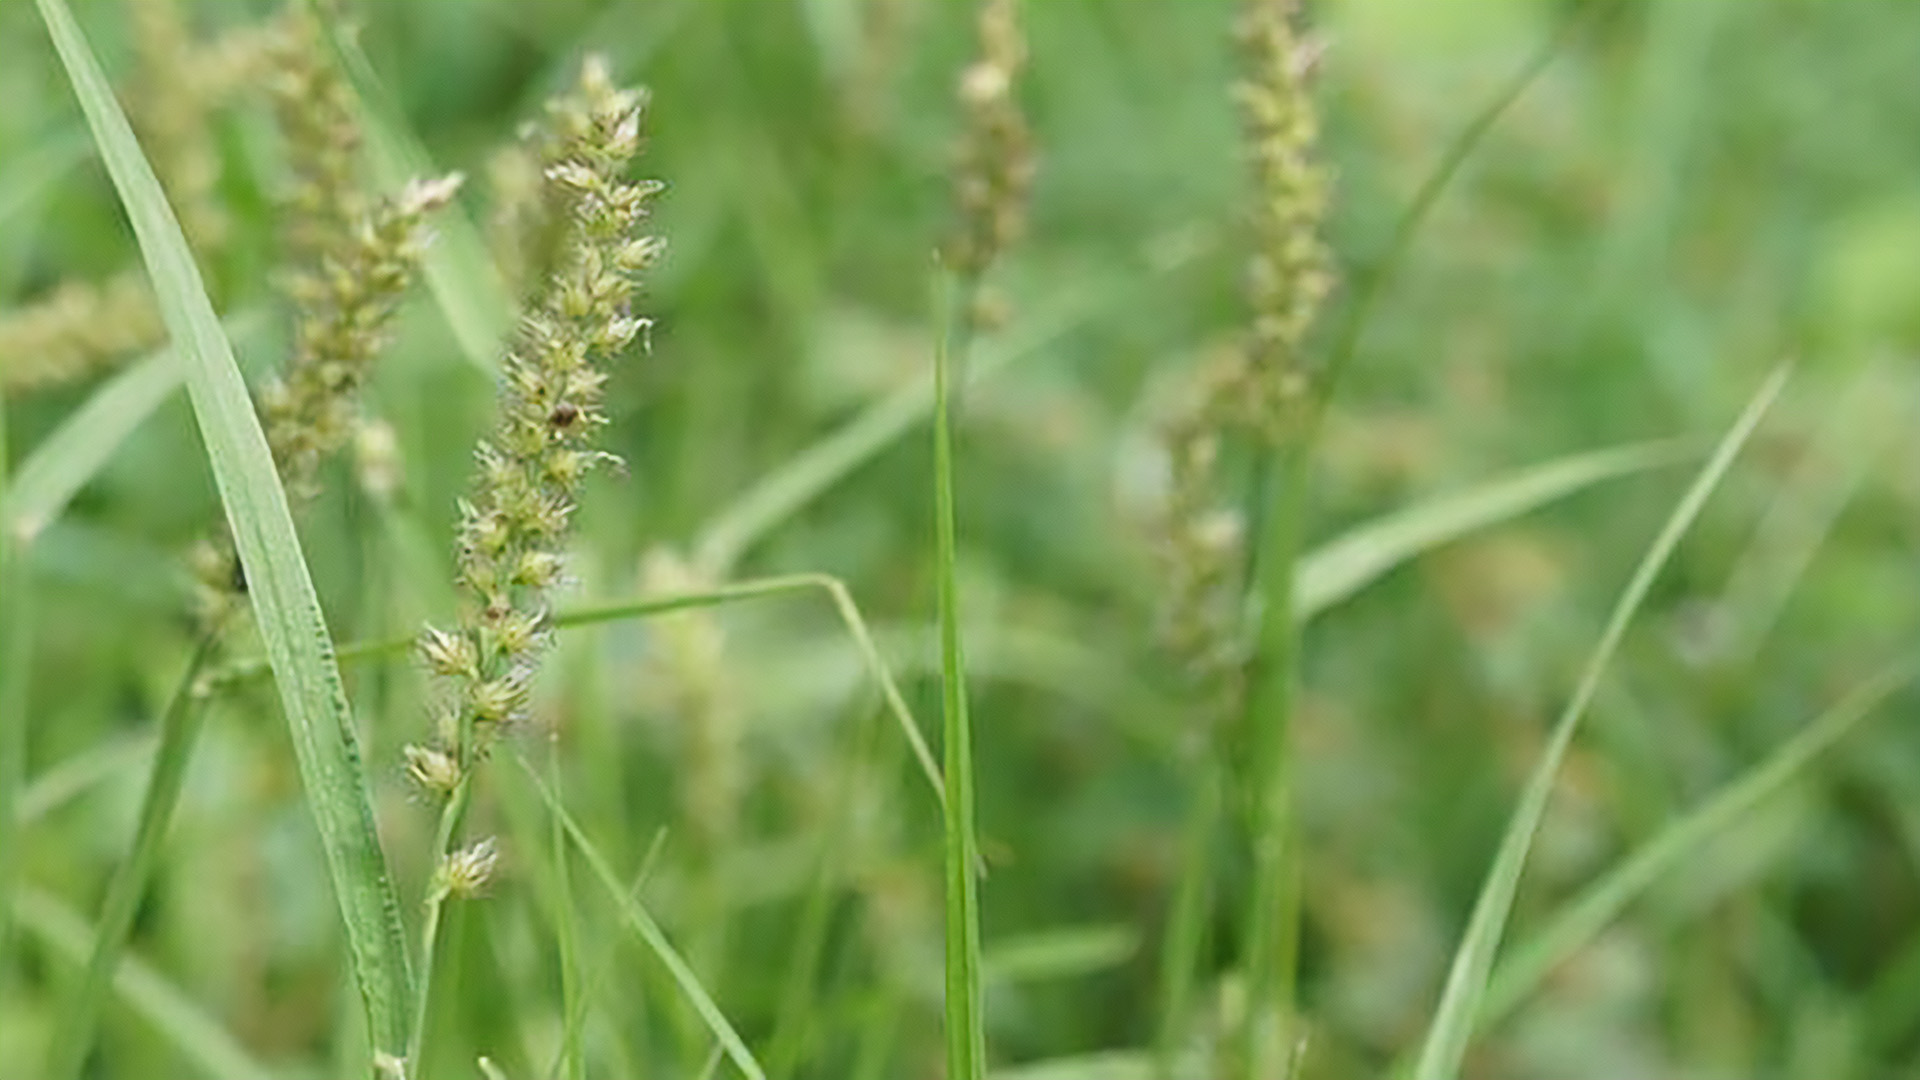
x=1692 y=190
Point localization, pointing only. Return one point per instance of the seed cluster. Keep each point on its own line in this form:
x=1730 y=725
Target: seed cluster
x=346 y=302
x=996 y=166
x=1289 y=274
x=1259 y=390
x=530 y=467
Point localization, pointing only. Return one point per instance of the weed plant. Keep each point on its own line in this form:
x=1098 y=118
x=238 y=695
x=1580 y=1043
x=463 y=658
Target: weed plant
x=1017 y=539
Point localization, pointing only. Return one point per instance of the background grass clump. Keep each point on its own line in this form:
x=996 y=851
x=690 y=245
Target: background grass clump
x=1555 y=253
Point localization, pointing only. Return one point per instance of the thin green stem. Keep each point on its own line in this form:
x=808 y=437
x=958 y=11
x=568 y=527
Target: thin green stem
x=966 y=1039
x=1186 y=929
x=452 y=814
x=179 y=727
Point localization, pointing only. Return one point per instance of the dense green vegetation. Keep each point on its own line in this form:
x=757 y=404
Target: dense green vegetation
x=1607 y=513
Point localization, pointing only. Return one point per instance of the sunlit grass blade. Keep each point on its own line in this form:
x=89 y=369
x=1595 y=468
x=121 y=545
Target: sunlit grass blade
x=285 y=605
x=1446 y=1042
x=1065 y=953
x=76 y=451
x=642 y=924
x=1341 y=567
x=1580 y=921
x=466 y=284
x=179 y=726
x=965 y=1024
x=198 y=1037
x=566 y=933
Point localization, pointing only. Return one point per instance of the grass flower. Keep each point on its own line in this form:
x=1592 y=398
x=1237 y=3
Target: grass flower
x=994 y=172
x=514 y=526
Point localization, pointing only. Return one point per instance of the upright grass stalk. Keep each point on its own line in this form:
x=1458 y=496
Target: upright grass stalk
x=282 y=594
x=1460 y=1002
x=992 y=179
x=1274 y=513
x=965 y=1030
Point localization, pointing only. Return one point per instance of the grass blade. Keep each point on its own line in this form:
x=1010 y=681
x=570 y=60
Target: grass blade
x=649 y=932
x=966 y=1036
x=197 y=1036
x=285 y=605
x=1446 y=1041
x=1582 y=920
x=72 y=778
x=32 y=173
x=179 y=727
x=1336 y=570
x=65 y=461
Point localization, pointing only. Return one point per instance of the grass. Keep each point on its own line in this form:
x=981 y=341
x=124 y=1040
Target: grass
x=1453 y=1021
x=965 y=1026
x=1570 y=245
x=282 y=593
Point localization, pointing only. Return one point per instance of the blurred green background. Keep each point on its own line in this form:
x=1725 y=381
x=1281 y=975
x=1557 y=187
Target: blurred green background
x=1691 y=191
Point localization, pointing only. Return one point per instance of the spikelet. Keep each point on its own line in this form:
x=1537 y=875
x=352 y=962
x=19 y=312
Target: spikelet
x=352 y=260
x=75 y=329
x=514 y=526
x=995 y=167
x=1289 y=274
x=1256 y=393
x=344 y=305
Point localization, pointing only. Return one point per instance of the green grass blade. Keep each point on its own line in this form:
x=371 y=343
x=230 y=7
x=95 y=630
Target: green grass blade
x=1446 y=1041
x=1065 y=953
x=461 y=275
x=65 y=461
x=1102 y=1065
x=73 y=777
x=285 y=605
x=1336 y=570
x=965 y=1026
x=32 y=173
x=198 y=1037
x=566 y=934
x=179 y=727
x=1582 y=920
x=641 y=922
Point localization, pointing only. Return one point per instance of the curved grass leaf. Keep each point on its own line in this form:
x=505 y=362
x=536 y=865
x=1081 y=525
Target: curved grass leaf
x=1582 y=920
x=1453 y=1021
x=648 y=931
x=1336 y=570
x=65 y=461
x=284 y=603
x=197 y=1036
